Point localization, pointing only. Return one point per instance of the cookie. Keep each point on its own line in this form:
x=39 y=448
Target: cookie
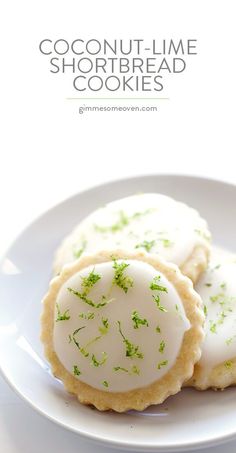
x=122 y=330
x=147 y=222
x=217 y=288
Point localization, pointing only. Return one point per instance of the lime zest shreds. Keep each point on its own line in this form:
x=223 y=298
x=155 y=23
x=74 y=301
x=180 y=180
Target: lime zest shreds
x=122 y=222
x=131 y=349
x=87 y=284
x=122 y=281
x=161 y=364
x=104 y=301
x=90 y=281
x=89 y=315
x=76 y=342
x=105 y=326
x=159 y=306
x=213 y=327
x=162 y=347
x=95 y=362
x=78 y=252
x=135 y=370
x=138 y=321
x=228 y=364
x=76 y=370
x=154 y=285
x=62 y=316
x=147 y=245
x=120 y=368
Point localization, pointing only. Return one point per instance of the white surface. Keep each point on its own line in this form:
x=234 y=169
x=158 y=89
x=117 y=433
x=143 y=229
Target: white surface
x=48 y=152
x=172 y=426
x=22 y=430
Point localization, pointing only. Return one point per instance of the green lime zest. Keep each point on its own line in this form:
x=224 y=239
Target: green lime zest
x=147 y=245
x=120 y=368
x=78 y=252
x=89 y=315
x=158 y=302
x=162 y=364
x=228 y=364
x=62 y=316
x=131 y=349
x=82 y=296
x=89 y=281
x=138 y=322
x=122 y=281
x=95 y=362
x=154 y=285
x=105 y=326
x=135 y=370
x=162 y=347
x=122 y=222
x=76 y=370
x=76 y=342
x=213 y=327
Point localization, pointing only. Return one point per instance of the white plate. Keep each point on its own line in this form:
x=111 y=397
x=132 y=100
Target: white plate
x=188 y=420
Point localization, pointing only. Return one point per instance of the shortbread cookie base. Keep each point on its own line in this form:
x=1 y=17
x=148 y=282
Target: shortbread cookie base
x=224 y=374
x=159 y=390
x=196 y=263
x=219 y=377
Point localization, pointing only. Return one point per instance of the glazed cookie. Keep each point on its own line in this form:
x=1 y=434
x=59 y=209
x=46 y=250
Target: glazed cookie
x=217 y=287
x=122 y=330
x=147 y=222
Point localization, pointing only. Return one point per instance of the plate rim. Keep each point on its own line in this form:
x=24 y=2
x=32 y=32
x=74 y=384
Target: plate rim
x=103 y=185
x=97 y=438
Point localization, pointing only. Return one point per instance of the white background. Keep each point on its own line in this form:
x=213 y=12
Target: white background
x=49 y=151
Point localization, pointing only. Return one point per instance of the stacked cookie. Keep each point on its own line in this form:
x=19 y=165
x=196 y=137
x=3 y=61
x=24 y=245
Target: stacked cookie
x=122 y=325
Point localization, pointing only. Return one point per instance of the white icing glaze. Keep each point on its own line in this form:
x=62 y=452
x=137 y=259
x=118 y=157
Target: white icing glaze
x=172 y=324
x=152 y=222
x=217 y=287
